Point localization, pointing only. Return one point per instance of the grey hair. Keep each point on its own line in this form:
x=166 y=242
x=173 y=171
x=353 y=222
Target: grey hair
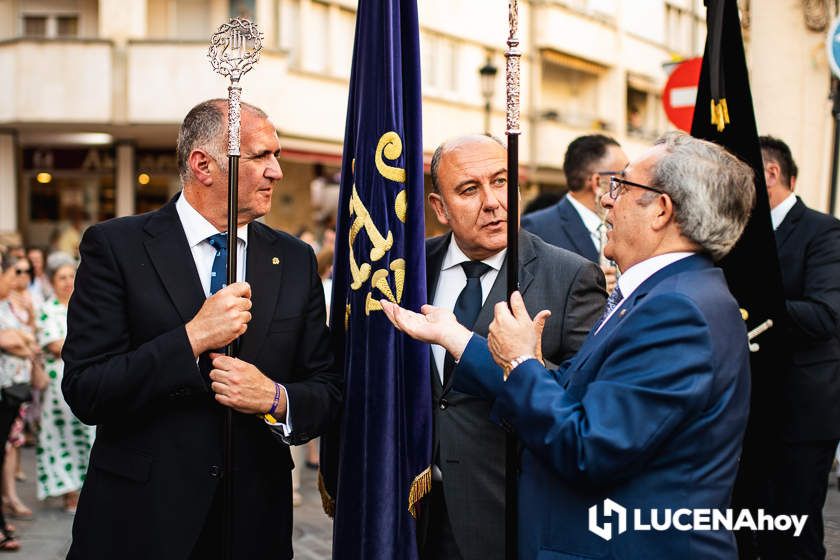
x=712 y=190
x=56 y=261
x=434 y=168
x=205 y=128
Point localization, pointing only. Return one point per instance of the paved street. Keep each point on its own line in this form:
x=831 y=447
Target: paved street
x=47 y=536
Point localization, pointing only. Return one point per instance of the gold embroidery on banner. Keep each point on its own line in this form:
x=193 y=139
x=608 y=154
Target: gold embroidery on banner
x=391 y=146
x=400 y=205
x=381 y=243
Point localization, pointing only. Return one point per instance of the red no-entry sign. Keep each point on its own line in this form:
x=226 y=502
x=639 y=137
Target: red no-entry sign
x=680 y=93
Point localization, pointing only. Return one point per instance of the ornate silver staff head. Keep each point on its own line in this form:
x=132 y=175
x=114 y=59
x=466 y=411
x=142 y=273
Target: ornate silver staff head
x=234 y=49
x=512 y=56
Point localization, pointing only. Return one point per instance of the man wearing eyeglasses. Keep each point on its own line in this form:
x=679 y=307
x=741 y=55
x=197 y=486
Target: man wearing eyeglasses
x=651 y=411
x=576 y=222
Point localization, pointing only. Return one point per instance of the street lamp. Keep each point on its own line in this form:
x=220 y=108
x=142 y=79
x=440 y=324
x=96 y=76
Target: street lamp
x=487 y=74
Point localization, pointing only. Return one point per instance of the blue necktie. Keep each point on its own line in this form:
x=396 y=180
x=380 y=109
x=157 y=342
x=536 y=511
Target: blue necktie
x=612 y=302
x=468 y=305
x=218 y=274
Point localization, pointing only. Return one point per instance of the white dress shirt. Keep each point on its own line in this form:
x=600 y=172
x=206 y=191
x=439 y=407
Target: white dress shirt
x=638 y=273
x=452 y=281
x=778 y=214
x=591 y=220
x=198 y=230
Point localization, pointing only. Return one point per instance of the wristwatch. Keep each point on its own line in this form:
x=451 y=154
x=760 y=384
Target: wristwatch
x=516 y=362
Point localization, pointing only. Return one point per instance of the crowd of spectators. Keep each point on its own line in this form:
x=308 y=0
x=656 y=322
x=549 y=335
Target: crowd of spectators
x=35 y=288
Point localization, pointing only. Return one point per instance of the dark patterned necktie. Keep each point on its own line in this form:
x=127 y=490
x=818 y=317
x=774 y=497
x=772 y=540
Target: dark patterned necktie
x=612 y=302
x=468 y=305
x=218 y=274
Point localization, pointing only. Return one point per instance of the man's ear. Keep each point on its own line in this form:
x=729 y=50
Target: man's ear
x=664 y=212
x=773 y=173
x=201 y=166
x=436 y=202
x=593 y=184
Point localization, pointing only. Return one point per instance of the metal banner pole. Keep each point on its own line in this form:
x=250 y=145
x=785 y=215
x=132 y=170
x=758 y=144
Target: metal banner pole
x=234 y=49
x=512 y=56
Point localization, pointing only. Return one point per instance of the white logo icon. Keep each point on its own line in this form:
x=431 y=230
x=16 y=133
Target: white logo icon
x=605 y=531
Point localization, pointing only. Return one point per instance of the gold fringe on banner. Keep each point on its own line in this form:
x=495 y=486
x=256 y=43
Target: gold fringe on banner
x=421 y=486
x=327 y=501
x=720 y=114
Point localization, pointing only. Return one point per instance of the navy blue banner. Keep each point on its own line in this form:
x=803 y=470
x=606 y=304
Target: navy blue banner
x=384 y=455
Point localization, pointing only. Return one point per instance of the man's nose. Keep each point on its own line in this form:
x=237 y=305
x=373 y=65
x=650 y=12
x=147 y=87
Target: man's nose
x=606 y=200
x=491 y=197
x=273 y=171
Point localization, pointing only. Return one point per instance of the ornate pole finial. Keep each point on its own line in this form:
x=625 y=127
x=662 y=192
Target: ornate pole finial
x=234 y=49
x=512 y=56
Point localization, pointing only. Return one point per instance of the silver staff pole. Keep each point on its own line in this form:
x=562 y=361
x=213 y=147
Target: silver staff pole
x=512 y=56
x=234 y=49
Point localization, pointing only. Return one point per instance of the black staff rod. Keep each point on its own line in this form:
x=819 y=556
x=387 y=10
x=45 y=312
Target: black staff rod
x=511 y=443
x=230 y=350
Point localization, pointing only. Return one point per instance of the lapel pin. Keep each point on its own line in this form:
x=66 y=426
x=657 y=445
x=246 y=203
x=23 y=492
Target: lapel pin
x=622 y=312
x=275 y=260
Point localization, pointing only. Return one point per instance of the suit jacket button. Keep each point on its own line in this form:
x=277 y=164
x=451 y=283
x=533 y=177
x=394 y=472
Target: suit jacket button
x=215 y=471
x=443 y=404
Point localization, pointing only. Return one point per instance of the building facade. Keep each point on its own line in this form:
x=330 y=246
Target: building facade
x=95 y=89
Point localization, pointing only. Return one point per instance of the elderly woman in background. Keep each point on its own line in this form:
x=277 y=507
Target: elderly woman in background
x=64 y=442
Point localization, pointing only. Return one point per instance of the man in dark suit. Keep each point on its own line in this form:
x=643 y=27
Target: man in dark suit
x=149 y=310
x=809 y=254
x=574 y=223
x=469 y=176
x=651 y=412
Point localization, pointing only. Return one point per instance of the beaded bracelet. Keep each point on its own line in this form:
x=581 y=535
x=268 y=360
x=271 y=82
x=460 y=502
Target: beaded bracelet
x=273 y=408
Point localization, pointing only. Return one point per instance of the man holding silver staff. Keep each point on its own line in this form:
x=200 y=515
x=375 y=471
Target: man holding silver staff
x=651 y=411
x=464 y=517
x=144 y=325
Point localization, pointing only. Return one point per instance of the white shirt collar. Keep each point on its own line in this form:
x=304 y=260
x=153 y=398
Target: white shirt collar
x=455 y=256
x=638 y=273
x=590 y=219
x=196 y=226
x=778 y=214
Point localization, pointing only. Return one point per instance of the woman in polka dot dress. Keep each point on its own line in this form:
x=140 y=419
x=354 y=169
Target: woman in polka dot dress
x=64 y=442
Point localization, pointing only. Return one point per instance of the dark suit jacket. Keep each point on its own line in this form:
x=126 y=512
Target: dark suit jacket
x=561 y=225
x=471 y=447
x=649 y=413
x=129 y=369
x=809 y=254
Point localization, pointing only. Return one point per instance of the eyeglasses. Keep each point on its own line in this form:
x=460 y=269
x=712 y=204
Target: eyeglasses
x=21 y=271
x=618 y=185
